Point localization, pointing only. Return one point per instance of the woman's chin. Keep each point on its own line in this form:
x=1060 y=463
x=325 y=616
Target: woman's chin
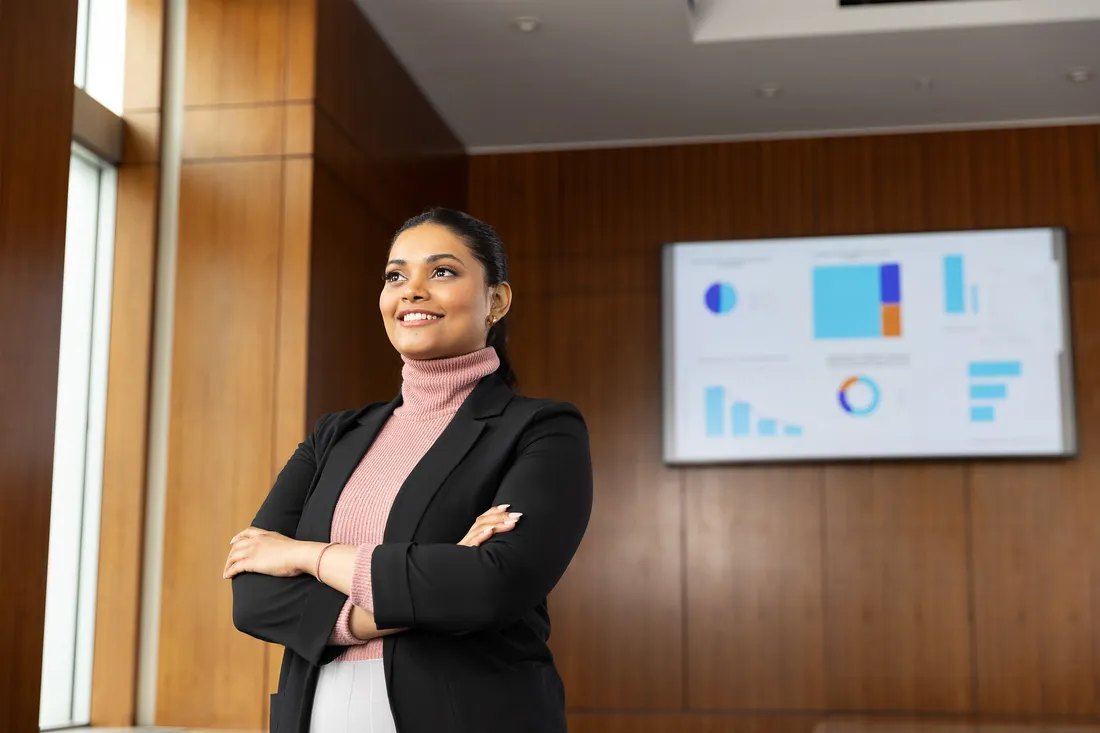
x=420 y=350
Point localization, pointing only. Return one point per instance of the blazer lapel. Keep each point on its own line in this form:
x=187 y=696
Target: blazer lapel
x=487 y=400
x=342 y=460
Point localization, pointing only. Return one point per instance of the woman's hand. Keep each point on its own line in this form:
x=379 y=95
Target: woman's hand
x=495 y=521
x=268 y=553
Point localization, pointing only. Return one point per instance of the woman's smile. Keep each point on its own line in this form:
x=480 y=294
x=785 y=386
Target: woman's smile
x=417 y=318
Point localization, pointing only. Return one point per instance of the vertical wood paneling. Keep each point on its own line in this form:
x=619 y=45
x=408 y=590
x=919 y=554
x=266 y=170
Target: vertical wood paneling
x=897 y=634
x=35 y=130
x=382 y=155
x=346 y=368
x=236 y=51
x=408 y=157
x=1035 y=541
x=944 y=588
x=122 y=511
x=618 y=612
x=301 y=49
x=755 y=621
x=220 y=442
x=144 y=52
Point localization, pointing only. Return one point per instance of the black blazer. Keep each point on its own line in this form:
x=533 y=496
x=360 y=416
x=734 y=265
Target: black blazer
x=475 y=657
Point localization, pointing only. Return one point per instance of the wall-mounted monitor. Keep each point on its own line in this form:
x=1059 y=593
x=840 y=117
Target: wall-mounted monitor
x=953 y=344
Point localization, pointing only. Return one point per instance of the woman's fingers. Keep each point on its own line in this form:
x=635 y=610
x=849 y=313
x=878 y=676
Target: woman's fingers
x=250 y=532
x=494 y=511
x=487 y=526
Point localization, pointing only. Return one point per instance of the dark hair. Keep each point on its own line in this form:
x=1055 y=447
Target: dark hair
x=485 y=243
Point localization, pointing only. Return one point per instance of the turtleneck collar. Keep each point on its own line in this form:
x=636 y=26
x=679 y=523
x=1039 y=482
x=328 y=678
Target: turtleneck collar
x=433 y=388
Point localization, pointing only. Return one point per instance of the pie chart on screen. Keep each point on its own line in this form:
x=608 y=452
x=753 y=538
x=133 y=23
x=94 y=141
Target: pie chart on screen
x=721 y=298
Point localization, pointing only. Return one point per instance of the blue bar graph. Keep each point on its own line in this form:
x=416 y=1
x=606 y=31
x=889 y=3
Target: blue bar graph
x=742 y=423
x=995 y=369
x=974 y=298
x=716 y=408
x=765 y=428
x=988 y=391
x=953 y=284
x=792 y=431
x=981 y=413
x=847 y=301
x=890 y=279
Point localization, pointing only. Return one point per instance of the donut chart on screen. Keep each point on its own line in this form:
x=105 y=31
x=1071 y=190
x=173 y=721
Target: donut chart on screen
x=866 y=403
x=721 y=298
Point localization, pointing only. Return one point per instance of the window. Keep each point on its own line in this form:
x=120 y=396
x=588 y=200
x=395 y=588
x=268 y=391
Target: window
x=101 y=51
x=78 y=447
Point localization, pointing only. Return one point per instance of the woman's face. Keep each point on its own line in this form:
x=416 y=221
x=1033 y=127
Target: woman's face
x=434 y=301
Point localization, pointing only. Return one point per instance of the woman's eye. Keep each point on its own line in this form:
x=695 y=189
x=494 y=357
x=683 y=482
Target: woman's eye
x=444 y=272
x=393 y=276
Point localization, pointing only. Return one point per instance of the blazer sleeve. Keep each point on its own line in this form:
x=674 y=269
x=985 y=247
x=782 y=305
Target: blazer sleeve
x=456 y=589
x=298 y=613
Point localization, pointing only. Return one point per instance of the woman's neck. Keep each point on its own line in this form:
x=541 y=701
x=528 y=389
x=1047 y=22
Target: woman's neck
x=436 y=387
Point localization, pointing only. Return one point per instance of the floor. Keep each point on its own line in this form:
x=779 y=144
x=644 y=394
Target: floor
x=142 y=730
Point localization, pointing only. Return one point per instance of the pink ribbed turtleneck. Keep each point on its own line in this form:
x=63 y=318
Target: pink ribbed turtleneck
x=431 y=391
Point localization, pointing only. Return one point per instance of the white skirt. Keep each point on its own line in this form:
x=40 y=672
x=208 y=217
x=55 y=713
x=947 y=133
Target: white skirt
x=351 y=698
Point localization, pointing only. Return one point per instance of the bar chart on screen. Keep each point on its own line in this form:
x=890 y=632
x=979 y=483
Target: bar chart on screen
x=738 y=419
x=857 y=301
x=960 y=296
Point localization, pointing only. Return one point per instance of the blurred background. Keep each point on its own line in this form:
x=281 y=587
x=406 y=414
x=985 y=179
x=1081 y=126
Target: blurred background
x=196 y=198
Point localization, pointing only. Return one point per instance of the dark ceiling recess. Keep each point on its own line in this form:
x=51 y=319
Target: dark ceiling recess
x=852 y=3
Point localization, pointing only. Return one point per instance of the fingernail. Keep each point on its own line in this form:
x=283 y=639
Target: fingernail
x=509 y=523
x=515 y=515
x=502 y=507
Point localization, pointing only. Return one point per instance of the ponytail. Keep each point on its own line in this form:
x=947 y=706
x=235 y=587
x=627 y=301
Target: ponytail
x=498 y=339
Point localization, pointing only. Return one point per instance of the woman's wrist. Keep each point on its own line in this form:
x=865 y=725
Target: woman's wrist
x=305 y=560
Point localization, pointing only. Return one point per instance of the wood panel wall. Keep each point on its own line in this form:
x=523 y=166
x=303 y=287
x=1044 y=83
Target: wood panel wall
x=383 y=155
x=37 y=52
x=305 y=144
x=768 y=598
x=238 y=338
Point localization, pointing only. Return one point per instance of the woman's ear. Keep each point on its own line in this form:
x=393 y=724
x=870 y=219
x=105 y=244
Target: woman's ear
x=500 y=300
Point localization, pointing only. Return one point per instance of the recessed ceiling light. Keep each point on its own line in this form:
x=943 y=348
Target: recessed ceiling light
x=769 y=91
x=1080 y=75
x=527 y=24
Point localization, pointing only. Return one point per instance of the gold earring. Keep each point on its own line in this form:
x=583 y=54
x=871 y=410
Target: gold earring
x=492 y=321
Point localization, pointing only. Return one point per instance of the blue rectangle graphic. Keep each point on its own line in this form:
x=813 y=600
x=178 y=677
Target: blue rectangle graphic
x=792 y=431
x=988 y=391
x=973 y=298
x=954 y=284
x=981 y=414
x=995 y=369
x=847 y=302
x=716 y=408
x=740 y=417
x=890 y=283
x=765 y=427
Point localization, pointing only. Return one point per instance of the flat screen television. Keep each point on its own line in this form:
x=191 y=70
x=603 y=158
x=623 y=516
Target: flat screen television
x=934 y=345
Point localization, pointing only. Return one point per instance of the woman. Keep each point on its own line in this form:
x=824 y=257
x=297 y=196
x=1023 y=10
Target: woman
x=395 y=613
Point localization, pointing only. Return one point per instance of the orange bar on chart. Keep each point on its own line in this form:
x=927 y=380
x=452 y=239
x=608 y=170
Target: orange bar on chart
x=891 y=320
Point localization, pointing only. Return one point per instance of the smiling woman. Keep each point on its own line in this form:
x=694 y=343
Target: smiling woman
x=445 y=287
x=403 y=603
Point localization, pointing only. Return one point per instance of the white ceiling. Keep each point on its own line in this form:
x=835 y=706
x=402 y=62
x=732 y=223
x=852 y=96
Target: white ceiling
x=613 y=72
